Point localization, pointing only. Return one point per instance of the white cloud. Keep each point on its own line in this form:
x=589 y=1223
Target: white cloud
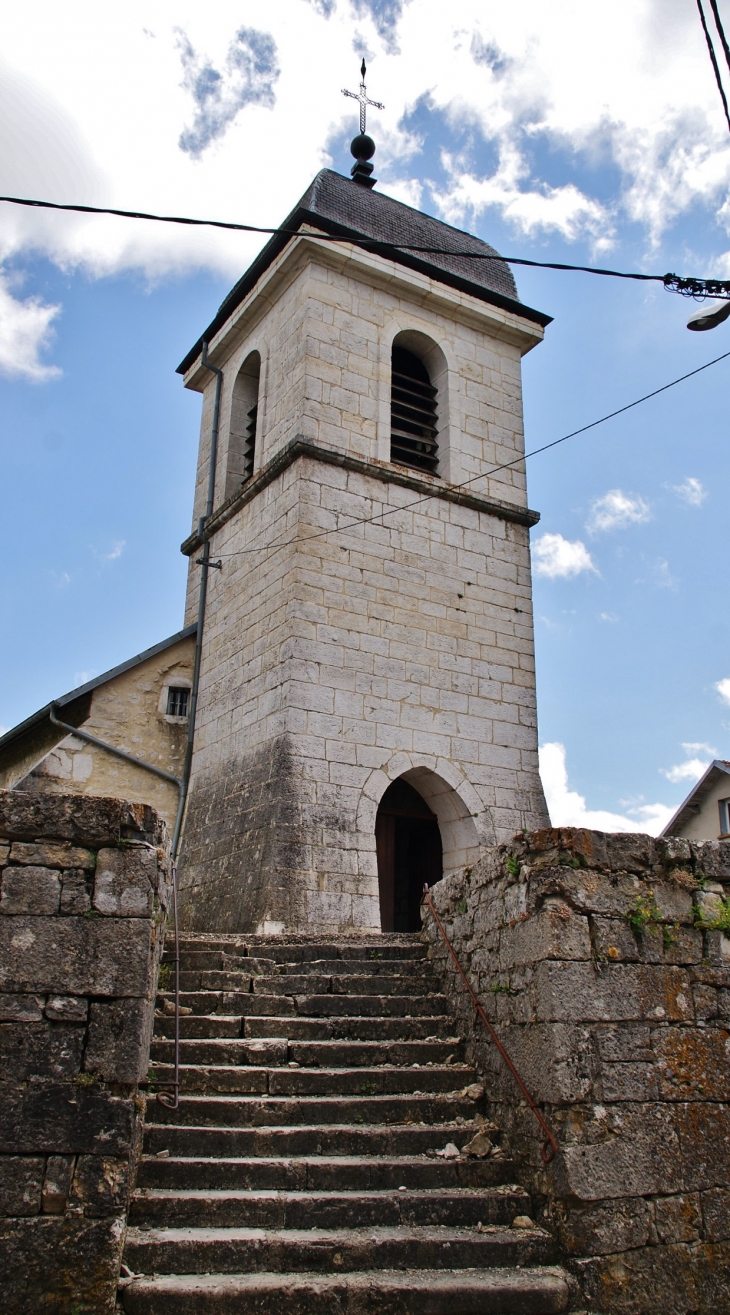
x=615 y=510
x=568 y=808
x=94 y=111
x=608 y=616
x=560 y=559
x=112 y=554
x=25 y=331
x=662 y=574
x=723 y=689
x=690 y=770
x=693 y=767
x=691 y=491
x=564 y=210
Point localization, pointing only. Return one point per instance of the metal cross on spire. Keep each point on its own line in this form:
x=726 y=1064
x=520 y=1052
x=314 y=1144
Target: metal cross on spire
x=362 y=97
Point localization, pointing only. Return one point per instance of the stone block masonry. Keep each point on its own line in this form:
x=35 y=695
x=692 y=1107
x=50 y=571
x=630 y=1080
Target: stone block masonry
x=399 y=646
x=602 y=960
x=84 y=886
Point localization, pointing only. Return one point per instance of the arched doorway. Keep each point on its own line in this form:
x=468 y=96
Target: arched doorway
x=408 y=843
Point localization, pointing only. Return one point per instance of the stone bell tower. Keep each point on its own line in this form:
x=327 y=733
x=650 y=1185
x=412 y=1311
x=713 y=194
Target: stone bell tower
x=370 y=626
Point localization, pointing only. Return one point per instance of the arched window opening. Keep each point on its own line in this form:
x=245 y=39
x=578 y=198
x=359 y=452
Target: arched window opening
x=244 y=424
x=408 y=843
x=413 y=413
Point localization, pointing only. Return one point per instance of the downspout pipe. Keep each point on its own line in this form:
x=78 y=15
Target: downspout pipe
x=205 y=564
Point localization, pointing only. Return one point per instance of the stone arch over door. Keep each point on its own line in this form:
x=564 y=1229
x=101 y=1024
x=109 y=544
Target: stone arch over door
x=464 y=823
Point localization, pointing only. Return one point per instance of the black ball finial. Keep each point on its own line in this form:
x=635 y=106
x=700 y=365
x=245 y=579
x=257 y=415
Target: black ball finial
x=362 y=148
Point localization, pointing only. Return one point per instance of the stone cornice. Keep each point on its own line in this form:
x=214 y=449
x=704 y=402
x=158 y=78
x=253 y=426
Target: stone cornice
x=379 y=470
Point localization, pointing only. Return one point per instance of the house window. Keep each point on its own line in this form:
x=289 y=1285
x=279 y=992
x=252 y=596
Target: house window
x=177 y=701
x=724 y=806
x=412 y=414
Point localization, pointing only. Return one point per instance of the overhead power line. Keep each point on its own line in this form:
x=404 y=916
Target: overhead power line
x=428 y=497
x=686 y=286
x=713 y=57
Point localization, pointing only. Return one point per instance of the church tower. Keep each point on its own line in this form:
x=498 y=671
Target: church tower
x=366 y=715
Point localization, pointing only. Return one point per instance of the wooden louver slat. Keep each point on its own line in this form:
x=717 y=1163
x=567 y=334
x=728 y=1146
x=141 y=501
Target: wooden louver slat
x=249 y=448
x=413 y=415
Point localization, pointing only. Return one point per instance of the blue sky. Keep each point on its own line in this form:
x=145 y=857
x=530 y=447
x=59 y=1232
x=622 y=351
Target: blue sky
x=599 y=141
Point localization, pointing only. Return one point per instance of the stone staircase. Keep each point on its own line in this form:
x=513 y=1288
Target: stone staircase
x=304 y=1171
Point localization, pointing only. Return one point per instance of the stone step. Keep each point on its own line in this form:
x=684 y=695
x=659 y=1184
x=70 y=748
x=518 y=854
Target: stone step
x=320 y=1173
x=240 y=1250
x=530 y=1291
x=285 y=1081
x=275 y=1051
x=456 y=1208
x=308 y=1006
x=187 y=1138
x=309 y=983
x=278 y=1111
x=311 y=1029
x=219 y=960
x=285 y=951
x=269 y=1051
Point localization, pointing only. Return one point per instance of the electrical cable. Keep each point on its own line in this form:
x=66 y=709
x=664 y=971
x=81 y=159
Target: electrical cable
x=428 y=497
x=715 y=64
x=720 y=30
x=685 y=285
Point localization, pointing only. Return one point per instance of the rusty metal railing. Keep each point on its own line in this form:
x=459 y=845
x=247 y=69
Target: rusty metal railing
x=550 y=1146
x=164 y=1097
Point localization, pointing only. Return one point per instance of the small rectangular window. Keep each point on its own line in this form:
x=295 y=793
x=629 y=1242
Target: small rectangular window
x=177 y=701
x=724 y=806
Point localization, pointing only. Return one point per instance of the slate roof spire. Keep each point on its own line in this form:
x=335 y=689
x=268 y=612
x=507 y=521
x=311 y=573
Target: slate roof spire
x=362 y=146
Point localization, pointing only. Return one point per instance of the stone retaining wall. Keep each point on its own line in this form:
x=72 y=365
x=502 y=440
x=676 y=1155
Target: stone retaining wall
x=83 y=893
x=601 y=963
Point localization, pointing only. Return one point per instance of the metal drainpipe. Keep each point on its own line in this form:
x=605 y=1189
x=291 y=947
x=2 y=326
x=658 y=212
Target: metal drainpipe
x=205 y=564
x=172 y=1102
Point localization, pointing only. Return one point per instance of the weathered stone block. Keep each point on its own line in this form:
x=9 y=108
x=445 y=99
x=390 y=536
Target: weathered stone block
x=601 y=1229
x=621 y=1151
x=692 y=1063
x=65 y=1119
x=89 y=821
x=716 y=1214
x=100 y=1184
x=21 y=1177
x=40 y=1050
x=636 y=1282
x=577 y=992
x=30 y=890
x=52 y=854
x=60 y=1264
x=21 y=1008
x=118 y=1044
x=125 y=882
x=712 y=858
x=75 y=956
x=678 y=1218
x=57 y=1183
x=75 y=898
x=67 y=1008
x=554 y=933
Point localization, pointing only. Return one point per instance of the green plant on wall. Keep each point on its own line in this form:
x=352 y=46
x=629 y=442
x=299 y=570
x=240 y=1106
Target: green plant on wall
x=164 y=981
x=720 y=922
x=513 y=865
x=643 y=912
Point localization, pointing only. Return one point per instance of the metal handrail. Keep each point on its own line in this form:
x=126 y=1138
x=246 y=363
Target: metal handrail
x=550 y=1146
x=163 y=1097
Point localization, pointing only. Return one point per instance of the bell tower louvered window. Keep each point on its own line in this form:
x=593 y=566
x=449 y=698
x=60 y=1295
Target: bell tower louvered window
x=413 y=414
x=249 y=446
x=241 y=454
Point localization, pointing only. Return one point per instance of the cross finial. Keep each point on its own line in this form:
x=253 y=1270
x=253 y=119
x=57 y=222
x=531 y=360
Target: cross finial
x=363 y=147
x=362 y=97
